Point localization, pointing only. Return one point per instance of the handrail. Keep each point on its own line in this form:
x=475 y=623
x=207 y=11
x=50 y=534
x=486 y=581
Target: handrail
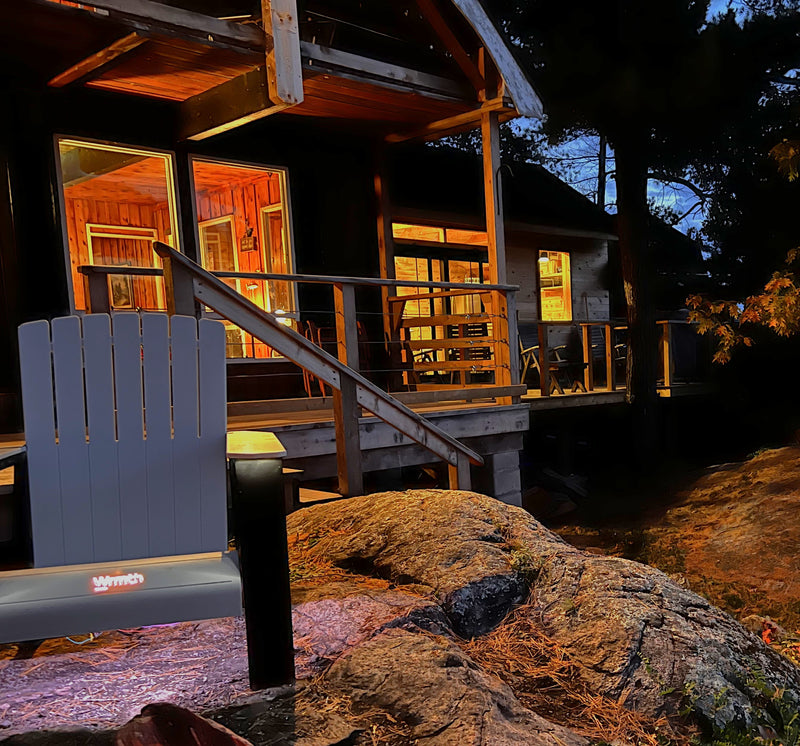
x=100 y=269
x=190 y=284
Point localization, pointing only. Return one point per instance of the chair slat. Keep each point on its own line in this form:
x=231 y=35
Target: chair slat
x=73 y=450
x=40 y=434
x=213 y=430
x=130 y=434
x=185 y=444
x=158 y=426
x=103 y=457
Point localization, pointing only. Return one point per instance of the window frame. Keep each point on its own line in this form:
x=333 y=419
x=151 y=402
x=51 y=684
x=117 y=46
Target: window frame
x=539 y=287
x=288 y=229
x=173 y=195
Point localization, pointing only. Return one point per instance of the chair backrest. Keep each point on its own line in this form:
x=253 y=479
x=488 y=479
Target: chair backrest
x=125 y=422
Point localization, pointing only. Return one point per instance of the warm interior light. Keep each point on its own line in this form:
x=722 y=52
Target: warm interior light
x=543 y=259
x=252 y=286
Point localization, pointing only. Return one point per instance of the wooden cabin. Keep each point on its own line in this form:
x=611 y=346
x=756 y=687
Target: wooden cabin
x=256 y=145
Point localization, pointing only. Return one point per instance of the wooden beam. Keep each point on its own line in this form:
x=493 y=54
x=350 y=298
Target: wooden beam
x=345 y=402
x=284 y=65
x=451 y=42
x=358 y=67
x=457 y=123
x=99 y=61
x=153 y=17
x=495 y=233
x=525 y=99
x=239 y=101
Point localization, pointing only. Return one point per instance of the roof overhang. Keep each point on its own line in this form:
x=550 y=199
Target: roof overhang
x=224 y=73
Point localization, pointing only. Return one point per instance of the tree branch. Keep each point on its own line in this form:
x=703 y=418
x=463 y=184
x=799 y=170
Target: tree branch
x=659 y=176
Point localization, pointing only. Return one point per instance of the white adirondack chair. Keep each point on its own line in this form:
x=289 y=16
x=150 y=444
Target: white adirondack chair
x=125 y=422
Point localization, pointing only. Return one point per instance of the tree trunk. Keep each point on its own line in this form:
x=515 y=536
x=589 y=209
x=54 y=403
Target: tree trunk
x=631 y=178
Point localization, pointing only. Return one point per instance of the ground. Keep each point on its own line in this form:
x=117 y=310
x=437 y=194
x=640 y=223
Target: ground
x=730 y=533
x=438 y=618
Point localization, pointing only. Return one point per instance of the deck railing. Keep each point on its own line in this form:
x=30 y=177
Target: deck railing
x=189 y=288
x=592 y=355
x=421 y=341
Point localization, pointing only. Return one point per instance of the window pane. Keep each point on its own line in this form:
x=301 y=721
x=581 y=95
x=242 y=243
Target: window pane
x=417 y=232
x=117 y=201
x=556 y=287
x=243 y=227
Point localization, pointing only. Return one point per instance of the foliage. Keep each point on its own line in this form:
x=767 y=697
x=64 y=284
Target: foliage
x=777 y=308
x=776 y=722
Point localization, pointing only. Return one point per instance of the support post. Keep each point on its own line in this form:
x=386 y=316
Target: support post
x=348 y=439
x=458 y=474
x=260 y=525
x=588 y=371
x=513 y=337
x=506 y=481
x=345 y=403
x=179 y=290
x=666 y=347
x=97 y=292
x=344 y=298
x=383 y=211
x=544 y=359
x=493 y=194
x=611 y=372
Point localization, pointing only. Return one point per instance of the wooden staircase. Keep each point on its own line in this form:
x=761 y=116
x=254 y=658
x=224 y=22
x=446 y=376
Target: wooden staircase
x=189 y=287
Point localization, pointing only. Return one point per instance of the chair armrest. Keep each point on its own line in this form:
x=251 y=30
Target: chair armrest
x=249 y=445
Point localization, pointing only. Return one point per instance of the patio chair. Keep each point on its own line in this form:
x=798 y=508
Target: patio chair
x=125 y=423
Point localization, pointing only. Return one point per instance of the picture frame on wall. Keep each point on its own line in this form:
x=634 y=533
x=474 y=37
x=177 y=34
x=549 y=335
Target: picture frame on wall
x=120 y=291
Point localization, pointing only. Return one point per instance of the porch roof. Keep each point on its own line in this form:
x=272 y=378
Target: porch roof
x=223 y=73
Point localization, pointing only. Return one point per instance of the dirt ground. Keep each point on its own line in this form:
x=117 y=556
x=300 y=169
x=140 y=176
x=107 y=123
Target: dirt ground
x=731 y=534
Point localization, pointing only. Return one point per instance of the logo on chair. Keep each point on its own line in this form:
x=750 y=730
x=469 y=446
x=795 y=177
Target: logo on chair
x=104 y=583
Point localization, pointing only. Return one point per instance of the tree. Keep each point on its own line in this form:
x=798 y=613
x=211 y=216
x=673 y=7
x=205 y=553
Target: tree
x=660 y=82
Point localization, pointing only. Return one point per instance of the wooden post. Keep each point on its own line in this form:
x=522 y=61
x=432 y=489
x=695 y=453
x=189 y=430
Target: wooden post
x=383 y=212
x=588 y=371
x=513 y=336
x=348 y=439
x=260 y=525
x=344 y=298
x=345 y=404
x=97 y=292
x=459 y=476
x=611 y=372
x=544 y=359
x=493 y=196
x=179 y=290
x=666 y=351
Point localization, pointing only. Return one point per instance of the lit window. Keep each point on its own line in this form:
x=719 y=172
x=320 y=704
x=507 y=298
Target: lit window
x=243 y=226
x=555 y=286
x=117 y=201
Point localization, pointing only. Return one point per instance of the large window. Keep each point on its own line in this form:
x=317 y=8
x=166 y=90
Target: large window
x=555 y=286
x=243 y=226
x=117 y=201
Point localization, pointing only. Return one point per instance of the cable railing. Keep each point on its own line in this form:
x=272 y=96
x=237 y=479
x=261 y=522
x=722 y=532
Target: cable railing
x=188 y=289
x=420 y=341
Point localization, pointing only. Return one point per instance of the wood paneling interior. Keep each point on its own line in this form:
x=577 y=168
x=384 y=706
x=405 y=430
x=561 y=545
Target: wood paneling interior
x=224 y=190
x=133 y=196
x=174 y=69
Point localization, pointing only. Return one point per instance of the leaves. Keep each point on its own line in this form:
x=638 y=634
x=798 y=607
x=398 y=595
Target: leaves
x=777 y=308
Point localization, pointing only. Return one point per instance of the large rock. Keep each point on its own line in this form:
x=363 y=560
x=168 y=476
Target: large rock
x=448 y=541
x=429 y=683
x=639 y=637
x=734 y=536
